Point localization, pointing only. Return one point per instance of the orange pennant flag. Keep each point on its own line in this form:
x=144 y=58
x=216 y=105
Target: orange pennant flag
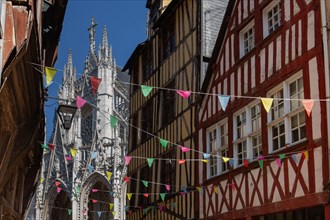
x=306 y=155
x=181 y=161
x=308 y=105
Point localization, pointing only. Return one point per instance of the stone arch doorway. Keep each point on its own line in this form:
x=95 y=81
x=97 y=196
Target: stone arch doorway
x=96 y=198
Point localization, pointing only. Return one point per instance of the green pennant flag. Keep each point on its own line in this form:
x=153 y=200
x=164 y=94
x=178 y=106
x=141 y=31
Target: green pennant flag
x=145 y=211
x=174 y=204
x=163 y=142
x=77 y=189
x=282 y=156
x=162 y=195
x=150 y=161
x=44 y=146
x=70 y=211
x=261 y=163
x=146 y=90
x=113 y=121
x=145 y=183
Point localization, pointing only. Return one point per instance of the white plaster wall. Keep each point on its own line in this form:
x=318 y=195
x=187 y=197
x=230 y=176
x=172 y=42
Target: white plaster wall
x=253 y=74
x=310 y=31
x=314 y=90
x=293 y=42
x=318 y=169
x=270 y=59
x=262 y=65
x=278 y=53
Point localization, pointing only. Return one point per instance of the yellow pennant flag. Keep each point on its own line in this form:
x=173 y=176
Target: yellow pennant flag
x=267 y=102
x=306 y=155
x=73 y=152
x=109 y=174
x=225 y=159
x=129 y=196
x=216 y=189
x=42 y=180
x=111 y=206
x=50 y=73
x=199 y=189
x=114 y=214
x=205 y=161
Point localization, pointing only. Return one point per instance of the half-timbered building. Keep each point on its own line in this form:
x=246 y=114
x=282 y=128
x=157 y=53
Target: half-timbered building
x=265 y=165
x=172 y=58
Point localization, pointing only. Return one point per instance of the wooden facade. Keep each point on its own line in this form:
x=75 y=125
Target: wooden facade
x=170 y=58
x=260 y=55
x=30 y=32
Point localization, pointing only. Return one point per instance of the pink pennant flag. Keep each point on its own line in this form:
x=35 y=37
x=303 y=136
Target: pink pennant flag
x=146 y=195
x=127 y=159
x=184 y=149
x=94 y=190
x=168 y=187
x=84 y=212
x=94 y=200
x=80 y=102
x=95 y=82
x=184 y=94
x=68 y=158
x=57 y=183
x=182 y=193
x=278 y=162
x=126 y=179
x=181 y=161
x=58 y=189
x=308 y=105
x=233 y=186
x=246 y=163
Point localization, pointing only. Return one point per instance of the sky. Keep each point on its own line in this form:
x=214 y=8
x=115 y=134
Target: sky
x=126 y=24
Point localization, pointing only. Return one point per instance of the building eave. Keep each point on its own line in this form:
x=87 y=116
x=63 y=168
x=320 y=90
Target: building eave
x=137 y=51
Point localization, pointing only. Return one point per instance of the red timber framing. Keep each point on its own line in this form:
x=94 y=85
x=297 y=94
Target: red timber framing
x=293 y=49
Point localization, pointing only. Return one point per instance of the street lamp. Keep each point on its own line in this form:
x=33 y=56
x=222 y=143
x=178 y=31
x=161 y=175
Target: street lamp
x=66 y=114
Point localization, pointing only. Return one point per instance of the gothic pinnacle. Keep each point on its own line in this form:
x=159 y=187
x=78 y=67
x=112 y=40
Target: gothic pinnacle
x=105 y=38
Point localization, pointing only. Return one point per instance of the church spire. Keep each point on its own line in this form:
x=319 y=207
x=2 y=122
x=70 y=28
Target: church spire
x=91 y=30
x=69 y=64
x=105 y=38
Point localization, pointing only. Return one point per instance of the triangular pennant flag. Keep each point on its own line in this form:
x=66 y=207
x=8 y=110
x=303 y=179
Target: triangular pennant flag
x=113 y=121
x=95 y=190
x=199 y=189
x=150 y=161
x=216 y=189
x=42 y=180
x=127 y=159
x=77 y=189
x=267 y=102
x=294 y=158
x=90 y=168
x=68 y=158
x=126 y=179
x=94 y=201
x=69 y=211
x=182 y=193
x=114 y=214
x=57 y=183
x=80 y=102
x=129 y=196
x=99 y=214
x=282 y=156
x=184 y=149
x=184 y=189
x=95 y=82
x=84 y=212
x=233 y=186
x=174 y=204
x=225 y=159
x=111 y=206
x=231 y=163
x=146 y=90
x=162 y=195
x=58 y=189
x=51 y=146
x=206 y=156
x=44 y=146
x=261 y=157
x=112 y=193
x=205 y=161
x=278 y=162
x=145 y=195
x=246 y=163
x=306 y=156
x=163 y=142
x=168 y=187
x=308 y=105
x=109 y=174
x=145 y=211
x=223 y=99
x=93 y=155
x=184 y=94
x=73 y=152
x=181 y=161
x=261 y=163
x=50 y=73
x=145 y=183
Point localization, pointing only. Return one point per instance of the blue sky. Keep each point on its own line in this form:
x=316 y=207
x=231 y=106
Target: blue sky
x=126 y=24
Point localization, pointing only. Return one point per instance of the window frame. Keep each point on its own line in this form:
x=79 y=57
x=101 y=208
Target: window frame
x=168 y=40
x=265 y=18
x=248 y=27
x=168 y=104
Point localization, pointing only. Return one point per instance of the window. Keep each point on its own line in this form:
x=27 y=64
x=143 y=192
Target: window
x=147 y=120
x=217 y=146
x=147 y=62
x=168 y=39
x=272 y=17
x=135 y=77
x=287 y=118
x=247 y=39
x=134 y=132
x=168 y=104
x=247 y=137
